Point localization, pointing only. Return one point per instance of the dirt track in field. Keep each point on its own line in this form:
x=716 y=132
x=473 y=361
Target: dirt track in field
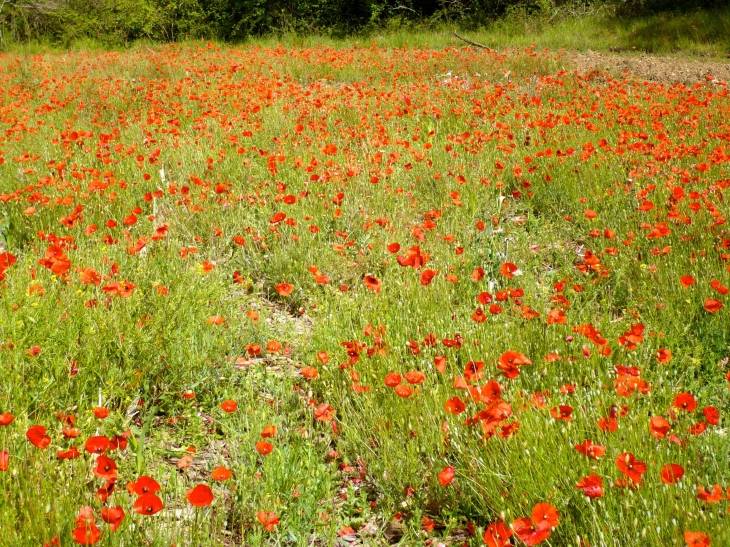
x=667 y=70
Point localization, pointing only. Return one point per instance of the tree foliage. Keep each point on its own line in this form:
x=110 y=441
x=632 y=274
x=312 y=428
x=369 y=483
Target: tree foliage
x=123 y=21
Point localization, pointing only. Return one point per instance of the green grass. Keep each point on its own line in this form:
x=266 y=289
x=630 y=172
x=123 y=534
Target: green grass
x=693 y=33
x=479 y=159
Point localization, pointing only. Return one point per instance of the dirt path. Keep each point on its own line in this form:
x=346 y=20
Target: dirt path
x=668 y=70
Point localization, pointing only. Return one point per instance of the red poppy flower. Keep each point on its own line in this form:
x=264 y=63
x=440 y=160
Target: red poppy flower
x=712 y=305
x=672 y=473
x=89 y=276
x=269 y=432
x=101 y=412
x=113 y=516
x=454 y=406
x=562 y=412
x=148 y=504
x=545 y=515
x=497 y=534
x=324 y=413
x=86 y=516
x=221 y=474
x=56 y=260
x=509 y=361
x=698 y=428
x=712 y=415
x=106 y=468
x=508 y=269
x=709 y=497
x=372 y=283
x=37 y=436
x=70 y=454
x=403 y=391
x=446 y=475
x=415 y=377
x=513 y=358
x=510 y=371
x=123 y=289
x=268 y=520
x=70 y=432
x=592 y=486
x=273 y=346
x=103 y=493
x=278 y=217
x=97 y=445
x=663 y=356
x=264 y=448
x=440 y=363
x=556 y=317
x=687 y=281
x=309 y=372
x=593 y=451
x=284 y=289
x=229 y=406
x=631 y=468
x=479 y=316
x=145 y=485
x=474 y=371
x=6 y=419
x=87 y=534
x=685 y=401
x=608 y=424
x=427 y=276
x=216 y=320
x=491 y=391
x=484 y=298
x=719 y=287
x=696 y=539
x=200 y=496
x=6 y=259
x=528 y=532
x=4 y=460
x=659 y=427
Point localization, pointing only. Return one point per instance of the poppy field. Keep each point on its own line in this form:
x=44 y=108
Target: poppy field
x=361 y=295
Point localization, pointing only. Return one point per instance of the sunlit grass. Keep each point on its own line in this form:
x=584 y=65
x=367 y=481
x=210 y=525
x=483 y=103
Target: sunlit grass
x=435 y=271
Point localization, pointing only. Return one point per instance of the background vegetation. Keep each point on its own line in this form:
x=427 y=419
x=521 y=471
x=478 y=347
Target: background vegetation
x=119 y=22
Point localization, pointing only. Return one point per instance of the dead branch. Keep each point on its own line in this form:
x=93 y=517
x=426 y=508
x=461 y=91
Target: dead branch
x=476 y=44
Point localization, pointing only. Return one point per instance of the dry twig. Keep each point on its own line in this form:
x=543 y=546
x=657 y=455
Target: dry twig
x=476 y=44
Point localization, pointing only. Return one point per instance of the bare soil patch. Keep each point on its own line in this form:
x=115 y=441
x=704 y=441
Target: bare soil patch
x=663 y=69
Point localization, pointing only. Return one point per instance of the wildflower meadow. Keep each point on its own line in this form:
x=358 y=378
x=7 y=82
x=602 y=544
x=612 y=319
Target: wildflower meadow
x=314 y=295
